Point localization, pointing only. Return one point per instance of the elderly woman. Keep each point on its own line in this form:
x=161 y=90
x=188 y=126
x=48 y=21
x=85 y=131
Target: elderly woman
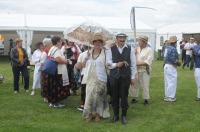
x=19 y=61
x=95 y=74
x=58 y=84
x=44 y=76
x=36 y=60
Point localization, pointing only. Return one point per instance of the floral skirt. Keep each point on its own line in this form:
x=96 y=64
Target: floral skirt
x=53 y=89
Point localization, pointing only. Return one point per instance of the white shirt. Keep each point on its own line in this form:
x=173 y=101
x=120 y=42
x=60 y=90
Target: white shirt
x=43 y=57
x=189 y=45
x=144 y=55
x=56 y=52
x=109 y=60
x=36 y=56
x=99 y=64
x=80 y=59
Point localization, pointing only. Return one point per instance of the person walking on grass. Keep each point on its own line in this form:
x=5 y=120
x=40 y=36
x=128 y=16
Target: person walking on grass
x=170 y=72
x=197 y=69
x=122 y=64
x=19 y=61
x=37 y=72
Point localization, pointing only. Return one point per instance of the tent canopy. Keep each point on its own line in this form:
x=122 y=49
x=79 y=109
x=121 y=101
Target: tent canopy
x=60 y=23
x=185 y=28
x=33 y=28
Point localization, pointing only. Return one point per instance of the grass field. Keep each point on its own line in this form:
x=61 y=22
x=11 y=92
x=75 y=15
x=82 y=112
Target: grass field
x=22 y=112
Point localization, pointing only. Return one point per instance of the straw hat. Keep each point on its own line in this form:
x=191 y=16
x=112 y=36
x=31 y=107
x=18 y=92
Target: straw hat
x=143 y=38
x=97 y=37
x=172 y=39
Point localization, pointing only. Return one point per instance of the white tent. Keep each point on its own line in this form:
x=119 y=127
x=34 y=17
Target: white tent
x=33 y=28
x=185 y=30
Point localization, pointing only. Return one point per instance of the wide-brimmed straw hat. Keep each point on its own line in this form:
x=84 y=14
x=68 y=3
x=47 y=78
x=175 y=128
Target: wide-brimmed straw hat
x=143 y=38
x=97 y=37
x=172 y=39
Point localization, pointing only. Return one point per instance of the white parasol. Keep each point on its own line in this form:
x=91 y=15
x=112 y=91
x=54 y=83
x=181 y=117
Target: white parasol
x=84 y=32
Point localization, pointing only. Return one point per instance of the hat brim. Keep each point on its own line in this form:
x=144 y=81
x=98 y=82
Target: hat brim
x=92 y=42
x=143 y=40
x=172 y=41
x=121 y=36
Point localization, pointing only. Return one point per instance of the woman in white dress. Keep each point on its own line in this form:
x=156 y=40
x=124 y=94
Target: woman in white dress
x=36 y=60
x=96 y=78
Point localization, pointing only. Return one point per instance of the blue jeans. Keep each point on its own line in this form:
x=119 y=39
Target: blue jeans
x=188 y=59
x=16 y=72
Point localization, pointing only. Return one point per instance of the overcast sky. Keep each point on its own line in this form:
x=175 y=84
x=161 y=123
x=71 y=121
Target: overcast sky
x=168 y=11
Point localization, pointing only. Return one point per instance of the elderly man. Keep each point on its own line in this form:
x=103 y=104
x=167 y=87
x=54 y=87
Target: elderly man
x=144 y=58
x=121 y=60
x=170 y=72
x=197 y=69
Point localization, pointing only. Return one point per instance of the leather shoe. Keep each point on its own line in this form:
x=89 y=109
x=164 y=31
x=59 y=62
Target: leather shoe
x=124 y=120
x=134 y=101
x=114 y=119
x=146 y=102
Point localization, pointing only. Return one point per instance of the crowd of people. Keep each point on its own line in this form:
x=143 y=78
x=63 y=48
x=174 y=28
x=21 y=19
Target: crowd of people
x=117 y=70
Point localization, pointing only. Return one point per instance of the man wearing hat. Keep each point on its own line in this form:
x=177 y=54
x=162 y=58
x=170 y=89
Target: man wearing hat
x=144 y=58
x=19 y=60
x=170 y=72
x=122 y=64
x=188 y=47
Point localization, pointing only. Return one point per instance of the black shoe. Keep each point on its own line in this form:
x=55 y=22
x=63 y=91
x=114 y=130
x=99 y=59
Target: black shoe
x=114 y=119
x=124 y=120
x=146 y=102
x=134 y=101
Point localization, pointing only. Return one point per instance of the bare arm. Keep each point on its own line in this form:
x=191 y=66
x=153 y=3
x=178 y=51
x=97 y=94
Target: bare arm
x=61 y=61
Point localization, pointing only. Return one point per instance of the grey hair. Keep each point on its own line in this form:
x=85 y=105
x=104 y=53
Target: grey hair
x=46 y=41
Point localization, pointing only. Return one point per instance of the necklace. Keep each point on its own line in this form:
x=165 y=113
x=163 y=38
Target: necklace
x=95 y=57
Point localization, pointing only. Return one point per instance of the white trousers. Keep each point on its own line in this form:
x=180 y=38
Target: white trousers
x=143 y=81
x=36 y=77
x=170 y=77
x=197 y=79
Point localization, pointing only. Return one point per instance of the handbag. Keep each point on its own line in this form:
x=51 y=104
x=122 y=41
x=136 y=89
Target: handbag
x=50 y=65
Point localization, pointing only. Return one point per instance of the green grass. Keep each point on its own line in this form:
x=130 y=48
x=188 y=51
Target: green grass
x=22 y=112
